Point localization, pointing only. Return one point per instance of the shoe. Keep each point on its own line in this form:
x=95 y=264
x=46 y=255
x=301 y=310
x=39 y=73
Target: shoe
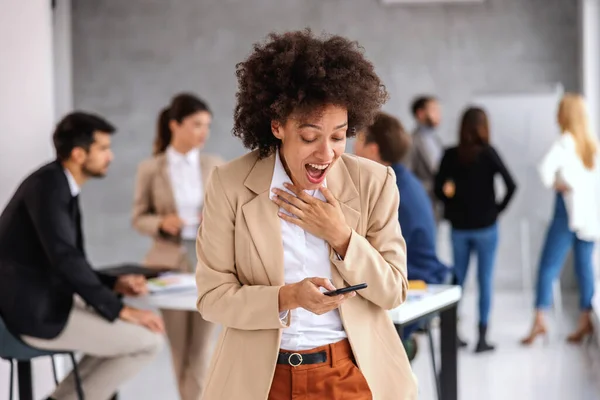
x=584 y=329
x=538 y=329
x=482 y=344
x=461 y=343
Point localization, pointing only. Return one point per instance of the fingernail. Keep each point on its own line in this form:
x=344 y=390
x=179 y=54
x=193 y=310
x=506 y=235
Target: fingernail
x=286 y=184
x=274 y=190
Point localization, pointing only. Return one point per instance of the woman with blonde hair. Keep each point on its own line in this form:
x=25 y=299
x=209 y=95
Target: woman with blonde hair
x=571 y=169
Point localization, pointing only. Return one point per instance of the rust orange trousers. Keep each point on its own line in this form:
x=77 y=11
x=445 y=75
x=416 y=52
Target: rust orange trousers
x=336 y=379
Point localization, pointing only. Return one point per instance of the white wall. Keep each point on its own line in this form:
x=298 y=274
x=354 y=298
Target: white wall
x=63 y=58
x=589 y=14
x=26 y=115
x=589 y=30
x=26 y=95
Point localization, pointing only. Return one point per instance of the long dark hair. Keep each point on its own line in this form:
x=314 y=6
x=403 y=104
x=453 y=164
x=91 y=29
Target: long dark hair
x=182 y=106
x=474 y=134
x=163 y=132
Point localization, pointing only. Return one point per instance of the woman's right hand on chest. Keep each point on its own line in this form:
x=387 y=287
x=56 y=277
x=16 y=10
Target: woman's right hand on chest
x=306 y=294
x=171 y=224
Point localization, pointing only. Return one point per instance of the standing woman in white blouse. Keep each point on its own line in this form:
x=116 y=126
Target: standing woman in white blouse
x=571 y=168
x=168 y=202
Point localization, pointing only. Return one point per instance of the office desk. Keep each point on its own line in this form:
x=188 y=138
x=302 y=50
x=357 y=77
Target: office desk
x=437 y=299
x=442 y=300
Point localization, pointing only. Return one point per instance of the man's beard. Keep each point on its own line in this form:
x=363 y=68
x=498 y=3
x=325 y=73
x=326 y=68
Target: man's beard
x=91 y=173
x=429 y=122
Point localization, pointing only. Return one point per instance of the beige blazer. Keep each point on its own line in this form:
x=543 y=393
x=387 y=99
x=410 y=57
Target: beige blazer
x=240 y=271
x=153 y=199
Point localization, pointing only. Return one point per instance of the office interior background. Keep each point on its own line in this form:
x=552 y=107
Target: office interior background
x=125 y=59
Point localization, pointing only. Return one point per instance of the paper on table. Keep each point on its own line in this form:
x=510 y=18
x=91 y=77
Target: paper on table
x=172 y=282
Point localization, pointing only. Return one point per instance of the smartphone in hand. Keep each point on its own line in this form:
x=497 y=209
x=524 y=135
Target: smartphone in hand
x=346 y=290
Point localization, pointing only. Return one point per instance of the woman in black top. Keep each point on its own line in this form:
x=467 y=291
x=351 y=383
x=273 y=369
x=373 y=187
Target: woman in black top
x=465 y=184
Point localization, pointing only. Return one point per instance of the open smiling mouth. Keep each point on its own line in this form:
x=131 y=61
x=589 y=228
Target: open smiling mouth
x=316 y=172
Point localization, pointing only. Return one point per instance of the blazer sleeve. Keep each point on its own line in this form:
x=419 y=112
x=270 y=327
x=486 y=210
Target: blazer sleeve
x=379 y=258
x=222 y=298
x=107 y=280
x=144 y=219
x=49 y=212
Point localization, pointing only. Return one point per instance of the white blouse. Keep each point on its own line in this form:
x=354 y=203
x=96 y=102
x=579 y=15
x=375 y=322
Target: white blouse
x=305 y=255
x=562 y=164
x=186 y=182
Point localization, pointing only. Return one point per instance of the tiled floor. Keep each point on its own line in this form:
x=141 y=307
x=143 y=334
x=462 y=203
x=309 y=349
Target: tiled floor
x=552 y=371
x=556 y=371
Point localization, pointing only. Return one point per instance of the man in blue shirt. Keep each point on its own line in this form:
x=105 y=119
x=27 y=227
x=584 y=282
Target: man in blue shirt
x=387 y=142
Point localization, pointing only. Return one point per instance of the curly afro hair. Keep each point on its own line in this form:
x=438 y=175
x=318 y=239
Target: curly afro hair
x=296 y=72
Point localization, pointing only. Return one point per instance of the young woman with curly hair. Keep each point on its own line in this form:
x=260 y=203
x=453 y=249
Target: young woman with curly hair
x=296 y=217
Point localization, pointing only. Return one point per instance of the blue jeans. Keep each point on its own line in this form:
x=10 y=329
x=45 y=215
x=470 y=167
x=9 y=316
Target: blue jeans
x=484 y=242
x=559 y=239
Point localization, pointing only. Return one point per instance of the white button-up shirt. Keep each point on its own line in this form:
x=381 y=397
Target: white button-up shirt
x=73 y=186
x=186 y=182
x=582 y=201
x=304 y=256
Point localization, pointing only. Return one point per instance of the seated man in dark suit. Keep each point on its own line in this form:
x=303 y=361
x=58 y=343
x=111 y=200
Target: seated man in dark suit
x=386 y=142
x=49 y=293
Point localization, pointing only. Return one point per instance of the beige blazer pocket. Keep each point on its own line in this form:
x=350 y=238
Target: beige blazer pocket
x=164 y=254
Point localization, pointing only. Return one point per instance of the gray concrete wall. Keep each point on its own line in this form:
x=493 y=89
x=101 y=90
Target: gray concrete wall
x=131 y=56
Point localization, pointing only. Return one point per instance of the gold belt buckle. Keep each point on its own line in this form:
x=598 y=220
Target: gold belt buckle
x=290 y=359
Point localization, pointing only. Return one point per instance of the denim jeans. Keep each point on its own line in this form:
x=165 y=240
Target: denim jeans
x=484 y=243
x=559 y=239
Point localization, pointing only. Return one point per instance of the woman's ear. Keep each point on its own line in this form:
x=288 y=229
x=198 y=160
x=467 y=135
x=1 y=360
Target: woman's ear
x=277 y=130
x=173 y=125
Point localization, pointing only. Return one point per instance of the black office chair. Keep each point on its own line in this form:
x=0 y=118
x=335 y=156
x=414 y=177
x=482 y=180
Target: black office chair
x=14 y=350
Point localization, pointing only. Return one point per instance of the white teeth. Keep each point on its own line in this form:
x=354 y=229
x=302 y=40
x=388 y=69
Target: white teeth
x=317 y=166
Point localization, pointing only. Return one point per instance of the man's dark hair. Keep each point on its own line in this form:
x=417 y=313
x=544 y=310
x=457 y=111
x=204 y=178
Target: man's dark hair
x=296 y=72
x=420 y=103
x=77 y=130
x=391 y=138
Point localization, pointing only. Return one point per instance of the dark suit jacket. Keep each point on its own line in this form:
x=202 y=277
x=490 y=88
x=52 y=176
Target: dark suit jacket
x=42 y=260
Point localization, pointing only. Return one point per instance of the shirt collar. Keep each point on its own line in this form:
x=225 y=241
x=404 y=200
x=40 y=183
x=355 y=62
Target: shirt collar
x=280 y=177
x=73 y=186
x=192 y=157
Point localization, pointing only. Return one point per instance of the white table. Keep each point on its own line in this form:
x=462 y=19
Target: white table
x=442 y=299
x=434 y=299
x=438 y=297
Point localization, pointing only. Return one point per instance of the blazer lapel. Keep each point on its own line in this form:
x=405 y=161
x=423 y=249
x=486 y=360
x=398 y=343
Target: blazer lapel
x=263 y=222
x=166 y=184
x=341 y=186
